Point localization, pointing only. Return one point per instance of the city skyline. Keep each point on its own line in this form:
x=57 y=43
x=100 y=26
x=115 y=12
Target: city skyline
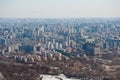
x=59 y=8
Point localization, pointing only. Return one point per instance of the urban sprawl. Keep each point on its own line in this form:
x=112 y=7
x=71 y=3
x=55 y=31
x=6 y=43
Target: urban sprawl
x=81 y=49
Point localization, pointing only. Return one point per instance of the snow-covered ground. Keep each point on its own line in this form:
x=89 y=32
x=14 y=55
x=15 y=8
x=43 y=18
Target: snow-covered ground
x=55 y=77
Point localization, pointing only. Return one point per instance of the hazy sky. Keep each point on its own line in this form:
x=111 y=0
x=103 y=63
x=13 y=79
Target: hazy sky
x=59 y=8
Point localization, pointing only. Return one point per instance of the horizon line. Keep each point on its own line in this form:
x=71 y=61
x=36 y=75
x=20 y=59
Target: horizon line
x=55 y=17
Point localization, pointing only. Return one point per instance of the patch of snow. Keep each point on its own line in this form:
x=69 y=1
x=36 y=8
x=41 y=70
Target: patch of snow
x=1 y=76
x=55 y=77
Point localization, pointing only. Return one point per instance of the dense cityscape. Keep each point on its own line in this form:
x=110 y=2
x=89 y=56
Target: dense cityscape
x=60 y=49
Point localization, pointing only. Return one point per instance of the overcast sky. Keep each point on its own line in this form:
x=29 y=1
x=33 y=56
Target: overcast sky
x=59 y=8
